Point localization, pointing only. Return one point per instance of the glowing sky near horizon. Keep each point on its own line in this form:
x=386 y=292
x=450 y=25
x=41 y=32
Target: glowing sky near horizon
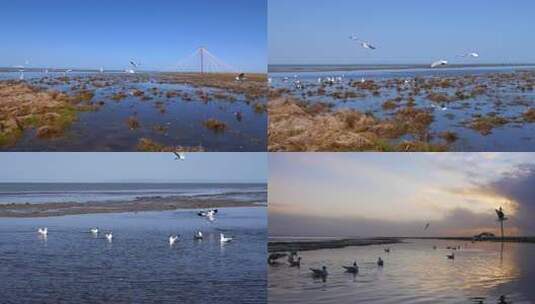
x=397 y=192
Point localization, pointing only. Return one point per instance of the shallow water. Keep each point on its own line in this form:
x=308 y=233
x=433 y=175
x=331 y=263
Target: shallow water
x=413 y=273
x=172 y=121
x=138 y=266
x=36 y=193
x=502 y=99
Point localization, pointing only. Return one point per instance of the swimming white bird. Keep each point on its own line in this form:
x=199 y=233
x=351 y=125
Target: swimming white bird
x=129 y=71
x=46 y=71
x=109 y=236
x=43 y=231
x=179 y=155
x=94 y=230
x=439 y=63
x=21 y=77
x=172 y=239
x=198 y=236
x=224 y=239
x=101 y=69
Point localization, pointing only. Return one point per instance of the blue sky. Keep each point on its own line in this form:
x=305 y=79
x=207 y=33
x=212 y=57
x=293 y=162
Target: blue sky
x=132 y=167
x=157 y=33
x=410 y=31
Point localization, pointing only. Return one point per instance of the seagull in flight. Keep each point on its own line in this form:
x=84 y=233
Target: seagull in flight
x=134 y=64
x=179 y=155
x=426 y=226
x=473 y=55
x=364 y=44
x=439 y=63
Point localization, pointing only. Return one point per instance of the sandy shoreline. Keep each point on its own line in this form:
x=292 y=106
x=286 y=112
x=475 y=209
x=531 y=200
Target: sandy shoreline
x=328 y=244
x=138 y=205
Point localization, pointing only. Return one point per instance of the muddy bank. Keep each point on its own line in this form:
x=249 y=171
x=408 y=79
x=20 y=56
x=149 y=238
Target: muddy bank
x=328 y=244
x=138 y=205
x=301 y=126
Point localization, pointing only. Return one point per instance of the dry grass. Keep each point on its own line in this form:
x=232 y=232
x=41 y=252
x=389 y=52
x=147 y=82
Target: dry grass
x=133 y=123
x=529 y=115
x=148 y=145
x=295 y=126
x=23 y=106
x=485 y=124
x=215 y=125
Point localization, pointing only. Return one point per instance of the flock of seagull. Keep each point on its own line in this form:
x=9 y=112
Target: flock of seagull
x=295 y=261
x=438 y=63
x=209 y=214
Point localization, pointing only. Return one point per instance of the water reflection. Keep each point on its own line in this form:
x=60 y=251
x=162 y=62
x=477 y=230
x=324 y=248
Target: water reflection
x=412 y=272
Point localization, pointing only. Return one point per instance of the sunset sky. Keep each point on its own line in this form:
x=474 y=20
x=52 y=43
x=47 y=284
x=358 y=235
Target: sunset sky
x=371 y=194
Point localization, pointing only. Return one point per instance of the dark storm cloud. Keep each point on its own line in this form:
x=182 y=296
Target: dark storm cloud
x=518 y=186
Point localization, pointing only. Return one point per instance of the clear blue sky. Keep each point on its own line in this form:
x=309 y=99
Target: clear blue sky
x=410 y=31
x=132 y=167
x=157 y=33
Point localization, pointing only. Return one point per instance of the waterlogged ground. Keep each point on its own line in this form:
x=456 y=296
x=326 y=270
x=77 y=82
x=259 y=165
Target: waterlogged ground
x=140 y=112
x=413 y=272
x=462 y=109
x=138 y=266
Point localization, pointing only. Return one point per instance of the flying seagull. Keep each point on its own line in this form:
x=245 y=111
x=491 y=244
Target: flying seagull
x=426 y=226
x=473 y=55
x=134 y=64
x=364 y=44
x=439 y=63
x=179 y=155
x=240 y=77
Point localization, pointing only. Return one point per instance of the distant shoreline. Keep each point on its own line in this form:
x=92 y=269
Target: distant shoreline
x=509 y=239
x=372 y=67
x=279 y=246
x=138 y=205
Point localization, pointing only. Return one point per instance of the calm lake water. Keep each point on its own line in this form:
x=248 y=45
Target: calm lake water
x=504 y=99
x=170 y=121
x=35 y=193
x=138 y=266
x=413 y=273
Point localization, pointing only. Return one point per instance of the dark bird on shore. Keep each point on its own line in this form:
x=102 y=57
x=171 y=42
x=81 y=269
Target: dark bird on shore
x=296 y=263
x=434 y=247
x=451 y=256
x=352 y=269
x=380 y=262
x=272 y=258
x=387 y=250
x=319 y=273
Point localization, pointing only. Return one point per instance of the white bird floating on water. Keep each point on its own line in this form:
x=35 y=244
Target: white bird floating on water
x=439 y=63
x=109 y=236
x=94 y=230
x=179 y=155
x=224 y=239
x=43 y=231
x=101 y=69
x=172 y=239
x=198 y=235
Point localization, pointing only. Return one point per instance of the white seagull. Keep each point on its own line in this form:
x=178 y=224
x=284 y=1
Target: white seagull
x=224 y=239
x=172 y=239
x=364 y=44
x=43 y=231
x=179 y=155
x=94 y=230
x=439 y=63
x=473 y=55
x=109 y=236
x=198 y=236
